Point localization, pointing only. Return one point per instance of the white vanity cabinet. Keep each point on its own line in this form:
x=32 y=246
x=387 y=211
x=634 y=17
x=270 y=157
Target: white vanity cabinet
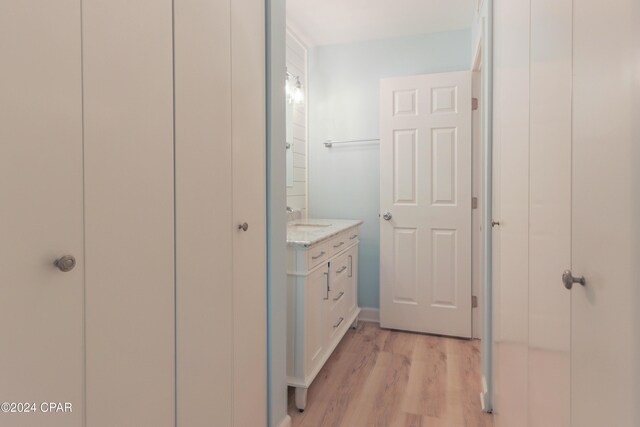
x=322 y=286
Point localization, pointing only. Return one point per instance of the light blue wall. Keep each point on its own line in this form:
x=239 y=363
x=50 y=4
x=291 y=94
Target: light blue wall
x=343 y=100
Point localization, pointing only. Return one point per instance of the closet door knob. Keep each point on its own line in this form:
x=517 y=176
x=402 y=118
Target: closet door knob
x=387 y=216
x=568 y=279
x=65 y=263
x=244 y=226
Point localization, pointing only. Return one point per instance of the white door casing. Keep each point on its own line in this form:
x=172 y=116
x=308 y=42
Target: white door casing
x=425 y=185
x=41 y=218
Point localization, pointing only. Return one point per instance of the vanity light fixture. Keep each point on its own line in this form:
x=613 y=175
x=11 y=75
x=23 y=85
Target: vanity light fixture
x=295 y=94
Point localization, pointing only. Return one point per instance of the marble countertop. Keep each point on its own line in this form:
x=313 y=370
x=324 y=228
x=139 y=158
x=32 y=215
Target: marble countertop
x=307 y=237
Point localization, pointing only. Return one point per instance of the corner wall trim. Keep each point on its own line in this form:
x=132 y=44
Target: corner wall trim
x=483 y=396
x=368 y=314
x=286 y=422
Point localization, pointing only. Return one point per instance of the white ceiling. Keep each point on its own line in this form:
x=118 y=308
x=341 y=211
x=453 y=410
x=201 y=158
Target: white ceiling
x=320 y=22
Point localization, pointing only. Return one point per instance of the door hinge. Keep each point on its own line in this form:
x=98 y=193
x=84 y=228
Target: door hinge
x=474 y=104
x=474 y=203
x=474 y=301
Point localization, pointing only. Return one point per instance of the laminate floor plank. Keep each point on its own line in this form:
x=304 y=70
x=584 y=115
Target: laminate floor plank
x=384 y=378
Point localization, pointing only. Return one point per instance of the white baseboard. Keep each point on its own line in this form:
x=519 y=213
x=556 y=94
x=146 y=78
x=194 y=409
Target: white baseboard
x=368 y=314
x=286 y=422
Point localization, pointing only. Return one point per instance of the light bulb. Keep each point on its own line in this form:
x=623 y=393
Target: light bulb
x=289 y=90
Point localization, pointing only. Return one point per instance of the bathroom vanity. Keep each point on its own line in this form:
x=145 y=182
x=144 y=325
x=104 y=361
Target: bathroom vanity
x=322 y=295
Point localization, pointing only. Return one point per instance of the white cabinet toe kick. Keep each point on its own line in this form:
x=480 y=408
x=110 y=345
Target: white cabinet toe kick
x=322 y=303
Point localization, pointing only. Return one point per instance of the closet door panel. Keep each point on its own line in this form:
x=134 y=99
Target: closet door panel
x=41 y=308
x=204 y=226
x=549 y=308
x=129 y=213
x=249 y=205
x=605 y=319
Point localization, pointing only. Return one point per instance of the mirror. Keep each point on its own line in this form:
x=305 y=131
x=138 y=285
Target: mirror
x=289 y=143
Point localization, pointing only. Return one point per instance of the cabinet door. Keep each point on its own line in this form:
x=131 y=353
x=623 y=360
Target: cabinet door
x=315 y=308
x=351 y=285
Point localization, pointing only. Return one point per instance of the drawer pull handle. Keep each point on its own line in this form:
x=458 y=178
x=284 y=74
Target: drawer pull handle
x=350 y=265
x=353 y=237
x=327 y=297
x=320 y=255
x=338 y=245
x=339 y=296
x=343 y=268
x=339 y=322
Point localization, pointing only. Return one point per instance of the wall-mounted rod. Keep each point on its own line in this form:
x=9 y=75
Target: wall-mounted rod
x=329 y=143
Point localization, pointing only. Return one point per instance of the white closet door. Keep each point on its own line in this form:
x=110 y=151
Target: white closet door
x=41 y=308
x=549 y=214
x=248 y=128
x=511 y=238
x=533 y=130
x=129 y=193
x=204 y=222
x=605 y=319
x=220 y=184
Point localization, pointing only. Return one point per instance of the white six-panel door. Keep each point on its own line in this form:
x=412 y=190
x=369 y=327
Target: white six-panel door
x=425 y=203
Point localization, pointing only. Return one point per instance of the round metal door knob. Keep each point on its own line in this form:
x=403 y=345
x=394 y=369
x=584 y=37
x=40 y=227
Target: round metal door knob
x=387 y=216
x=568 y=279
x=244 y=226
x=65 y=263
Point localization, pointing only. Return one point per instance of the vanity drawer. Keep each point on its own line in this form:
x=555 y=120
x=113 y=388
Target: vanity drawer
x=337 y=244
x=340 y=267
x=342 y=241
x=353 y=235
x=337 y=315
x=337 y=297
x=317 y=254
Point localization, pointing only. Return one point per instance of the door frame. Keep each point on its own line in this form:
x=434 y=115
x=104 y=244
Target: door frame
x=276 y=219
x=477 y=191
x=276 y=202
x=484 y=49
x=482 y=252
